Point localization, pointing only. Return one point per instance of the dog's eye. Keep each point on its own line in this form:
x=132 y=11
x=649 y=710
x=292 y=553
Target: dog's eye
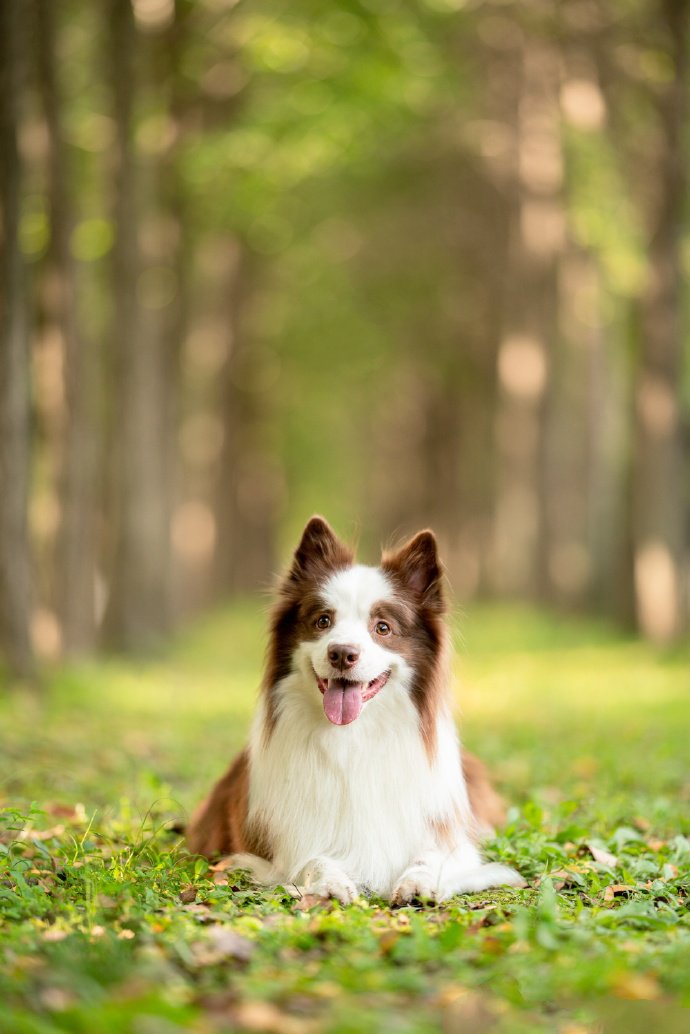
x=382 y=628
x=323 y=622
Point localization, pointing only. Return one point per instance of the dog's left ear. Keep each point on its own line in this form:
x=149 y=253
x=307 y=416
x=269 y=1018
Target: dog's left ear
x=417 y=567
x=319 y=550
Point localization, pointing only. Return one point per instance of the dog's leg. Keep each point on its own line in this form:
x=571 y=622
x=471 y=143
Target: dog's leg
x=437 y=874
x=324 y=878
x=419 y=882
x=260 y=871
x=466 y=881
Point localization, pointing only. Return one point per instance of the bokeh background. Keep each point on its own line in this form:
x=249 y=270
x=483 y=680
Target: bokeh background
x=402 y=262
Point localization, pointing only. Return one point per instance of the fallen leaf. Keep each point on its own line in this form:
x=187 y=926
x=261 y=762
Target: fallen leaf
x=602 y=857
x=54 y=935
x=308 y=901
x=639 y=987
x=223 y=865
x=656 y=845
x=42 y=834
x=563 y=878
x=263 y=1016
x=616 y=890
x=56 y=999
x=451 y=993
x=222 y=944
x=388 y=940
x=471 y=1011
x=493 y=945
x=197 y=909
x=63 y=811
x=478 y=925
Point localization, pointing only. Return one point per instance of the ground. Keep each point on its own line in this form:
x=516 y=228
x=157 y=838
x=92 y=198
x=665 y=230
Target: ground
x=106 y=924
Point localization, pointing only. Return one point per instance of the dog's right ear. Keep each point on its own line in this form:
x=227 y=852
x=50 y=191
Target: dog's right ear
x=320 y=551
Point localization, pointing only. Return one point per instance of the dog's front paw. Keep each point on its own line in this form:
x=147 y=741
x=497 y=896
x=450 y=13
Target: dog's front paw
x=415 y=884
x=324 y=879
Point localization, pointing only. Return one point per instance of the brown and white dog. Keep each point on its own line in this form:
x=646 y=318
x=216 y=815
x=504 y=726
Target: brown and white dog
x=352 y=782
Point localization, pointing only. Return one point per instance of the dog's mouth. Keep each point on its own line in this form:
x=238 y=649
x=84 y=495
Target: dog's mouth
x=344 y=699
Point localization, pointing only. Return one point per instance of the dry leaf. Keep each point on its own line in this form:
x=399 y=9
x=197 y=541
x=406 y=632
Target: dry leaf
x=471 y=1011
x=56 y=999
x=639 y=987
x=220 y=945
x=602 y=857
x=54 y=935
x=262 y=1016
x=562 y=878
x=42 y=834
x=223 y=865
x=388 y=940
x=616 y=890
x=451 y=993
x=308 y=901
x=62 y=811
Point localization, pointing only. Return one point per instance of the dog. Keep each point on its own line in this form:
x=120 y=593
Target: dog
x=353 y=781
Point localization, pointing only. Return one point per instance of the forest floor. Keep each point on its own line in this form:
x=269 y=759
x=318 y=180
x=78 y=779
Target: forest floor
x=107 y=925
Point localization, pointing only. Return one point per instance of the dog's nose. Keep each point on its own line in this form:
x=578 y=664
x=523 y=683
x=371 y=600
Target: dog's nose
x=343 y=655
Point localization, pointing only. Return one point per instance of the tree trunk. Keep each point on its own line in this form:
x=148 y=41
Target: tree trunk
x=80 y=452
x=15 y=451
x=137 y=614
x=521 y=551
x=248 y=487
x=660 y=471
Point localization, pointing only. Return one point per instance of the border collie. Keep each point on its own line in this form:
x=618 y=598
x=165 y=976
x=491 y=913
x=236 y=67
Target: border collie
x=353 y=782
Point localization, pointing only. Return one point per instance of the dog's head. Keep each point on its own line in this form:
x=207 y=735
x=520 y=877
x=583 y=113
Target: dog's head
x=349 y=630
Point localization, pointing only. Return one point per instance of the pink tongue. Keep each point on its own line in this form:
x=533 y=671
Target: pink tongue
x=342 y=701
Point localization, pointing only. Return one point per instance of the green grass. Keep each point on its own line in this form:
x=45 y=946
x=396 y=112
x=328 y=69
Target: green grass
x=106 y=924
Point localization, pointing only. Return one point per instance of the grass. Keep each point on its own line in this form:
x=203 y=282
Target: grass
x=106 y=924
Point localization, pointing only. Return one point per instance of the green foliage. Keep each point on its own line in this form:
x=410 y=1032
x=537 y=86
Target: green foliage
x=108 y=924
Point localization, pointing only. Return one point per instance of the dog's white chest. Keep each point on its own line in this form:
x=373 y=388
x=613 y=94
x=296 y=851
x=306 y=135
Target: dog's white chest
x=363 y=795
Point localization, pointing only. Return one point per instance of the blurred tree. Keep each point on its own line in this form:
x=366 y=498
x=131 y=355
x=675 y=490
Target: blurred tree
x=144 y=339
x=81 y=448
x=247 y=496
x=527 y=352
x=15 y=445
x=661 y=513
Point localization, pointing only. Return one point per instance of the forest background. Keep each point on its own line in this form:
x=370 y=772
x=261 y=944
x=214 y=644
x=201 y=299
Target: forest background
x=403 y=263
